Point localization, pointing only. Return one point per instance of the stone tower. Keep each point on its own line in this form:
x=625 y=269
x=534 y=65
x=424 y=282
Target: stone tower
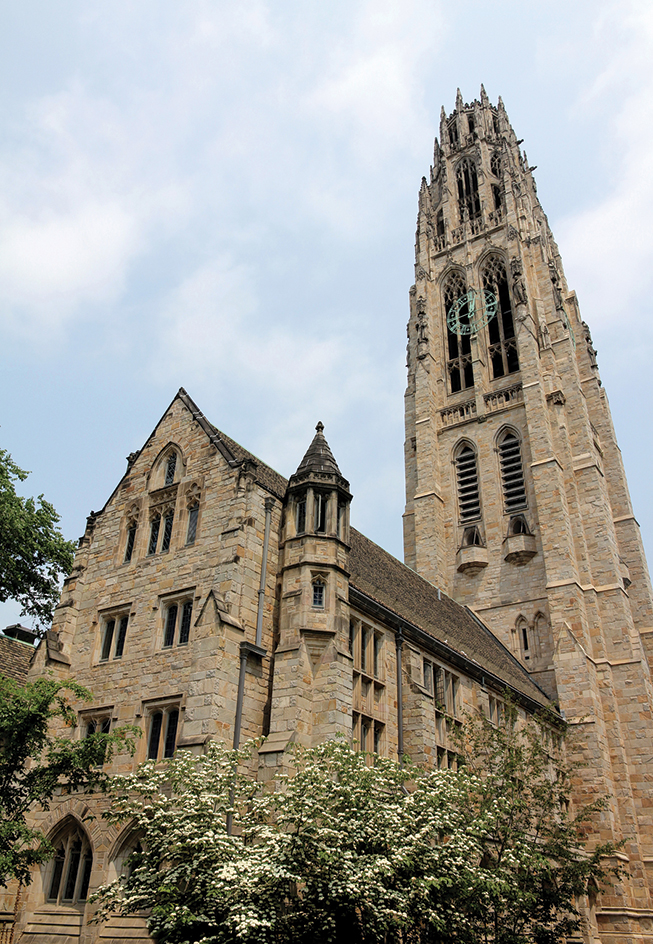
x=312 y=663
x=517 y=502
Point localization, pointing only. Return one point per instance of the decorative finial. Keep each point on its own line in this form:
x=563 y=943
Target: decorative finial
x=320 y=426
x=443 y=113
x=484 y=99
x=459 y=99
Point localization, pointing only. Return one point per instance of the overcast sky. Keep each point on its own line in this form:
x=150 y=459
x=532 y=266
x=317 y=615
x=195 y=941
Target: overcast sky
x=222 y=196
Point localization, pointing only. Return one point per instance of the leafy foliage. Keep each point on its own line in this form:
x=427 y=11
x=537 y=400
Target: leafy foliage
x=357 y=848
x=33 y=553
x=34 y=764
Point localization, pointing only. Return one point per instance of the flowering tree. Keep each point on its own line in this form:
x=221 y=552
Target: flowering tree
x=347 y=849
x=35 y=764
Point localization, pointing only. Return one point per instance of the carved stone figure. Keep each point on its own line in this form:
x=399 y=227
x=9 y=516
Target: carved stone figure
x=591 y=350
x=518 y=285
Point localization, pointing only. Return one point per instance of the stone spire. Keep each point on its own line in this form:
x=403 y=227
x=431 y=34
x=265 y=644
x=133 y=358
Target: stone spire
x=319 y=457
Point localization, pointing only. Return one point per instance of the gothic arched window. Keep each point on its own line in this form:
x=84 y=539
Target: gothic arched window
x=469 y=201
x=459 y=363
x=70 y=870
x=501 y=329
x=469 y=496
x=495 y=164
x=512 y=473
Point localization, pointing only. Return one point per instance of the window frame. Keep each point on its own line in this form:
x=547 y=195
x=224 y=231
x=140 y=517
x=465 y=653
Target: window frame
x=165 y=709
x=113 y=634
x=182 y=604
x=81 y=879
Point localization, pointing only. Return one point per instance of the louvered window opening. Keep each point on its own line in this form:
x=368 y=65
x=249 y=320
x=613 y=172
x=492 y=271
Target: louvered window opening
x=459 y=363
x=469 y=498
x=512 y=473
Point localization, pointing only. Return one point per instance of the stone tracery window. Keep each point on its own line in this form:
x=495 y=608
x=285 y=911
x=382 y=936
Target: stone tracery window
x=495 y=164
x=469 y=201
x=459 y=363
x=501 y=329
x=70 y=871
x=469 y=496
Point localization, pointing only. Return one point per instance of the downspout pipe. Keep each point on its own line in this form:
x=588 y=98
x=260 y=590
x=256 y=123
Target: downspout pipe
x=269 y=503
x=399 y=643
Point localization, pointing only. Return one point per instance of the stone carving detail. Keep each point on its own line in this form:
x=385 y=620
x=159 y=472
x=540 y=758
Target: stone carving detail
x=557 y=397
x=131 y=459
x=193 y=495
x=132 y=515
x=422 y=326
x=518 y=285
x=512 y=232
x=420 y=273
x=591 y=350
x=555 y=282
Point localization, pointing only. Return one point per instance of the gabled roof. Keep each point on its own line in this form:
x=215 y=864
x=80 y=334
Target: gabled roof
x=380 y=578
x=385 y=580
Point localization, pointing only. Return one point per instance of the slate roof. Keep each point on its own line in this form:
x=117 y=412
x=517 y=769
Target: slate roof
x=386 y=580
x=319 y=457
x=382 y=578
x=15 y=658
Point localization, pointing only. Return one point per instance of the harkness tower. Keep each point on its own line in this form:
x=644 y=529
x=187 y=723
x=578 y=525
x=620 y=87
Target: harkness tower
x=516 y=498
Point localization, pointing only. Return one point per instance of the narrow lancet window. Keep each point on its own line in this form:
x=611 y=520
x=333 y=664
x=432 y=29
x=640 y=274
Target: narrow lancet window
x=154 y=534
x=301 y=514
x=501 y=329
x=321 y=501
x=193 y=514
x=459 y=363
x=469 y=201
x=167 y=530
x=469 y=497
x=171 y=465
x=318 y=593
x=512 y=473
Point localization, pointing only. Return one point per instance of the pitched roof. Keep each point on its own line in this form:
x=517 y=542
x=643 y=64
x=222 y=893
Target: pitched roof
x=15 y=657
x=396 y=587
x=319 y=457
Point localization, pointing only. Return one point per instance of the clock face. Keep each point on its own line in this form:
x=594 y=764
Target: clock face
x=471 y=312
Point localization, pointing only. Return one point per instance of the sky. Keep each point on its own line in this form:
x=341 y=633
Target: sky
x=222 y=196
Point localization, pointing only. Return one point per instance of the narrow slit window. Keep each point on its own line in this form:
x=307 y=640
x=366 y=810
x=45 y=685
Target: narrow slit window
x=469 y=498
x=171 y=733
x=378 y=646
x=318 y=593
x=154 y=535
x=321 y=501
x=167 y=531
x=191 y=533
x=171 y=465
x=512 y=473
x=108 y=639
x=171 y=624
x=155 y=735
x=427 y=671
x=301 y=514
x=131 y=538
x=122 y=635
x=186 y=614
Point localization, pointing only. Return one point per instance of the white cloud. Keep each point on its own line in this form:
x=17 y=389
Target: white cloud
x=609 y=245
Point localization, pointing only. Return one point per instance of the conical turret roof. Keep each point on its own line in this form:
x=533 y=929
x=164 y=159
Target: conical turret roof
x=319 y=457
